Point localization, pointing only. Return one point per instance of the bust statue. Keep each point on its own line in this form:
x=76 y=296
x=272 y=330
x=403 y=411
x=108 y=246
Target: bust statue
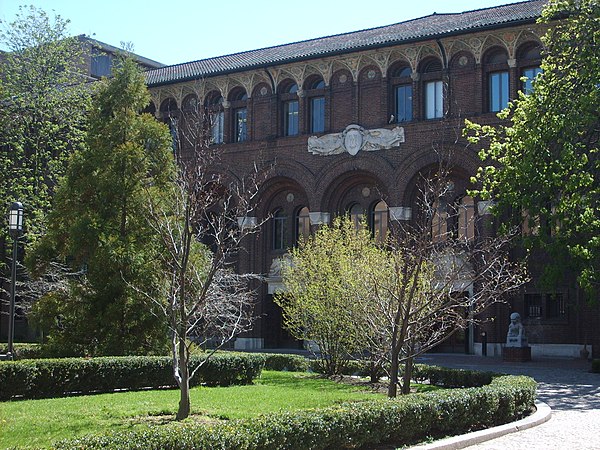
x=516 y=333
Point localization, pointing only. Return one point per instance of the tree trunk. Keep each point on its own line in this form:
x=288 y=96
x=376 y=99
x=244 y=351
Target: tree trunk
x=408 y=366
x=393 y=387
x=184 y=386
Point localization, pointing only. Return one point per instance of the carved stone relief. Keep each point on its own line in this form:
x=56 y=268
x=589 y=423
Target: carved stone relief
x=354 y=139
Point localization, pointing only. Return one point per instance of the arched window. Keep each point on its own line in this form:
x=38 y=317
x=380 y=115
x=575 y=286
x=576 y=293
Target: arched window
x=290 y=108
x=316 y=105
x=439 y=221
x=214 y=105
x=357 y=213
x=433 y=89
x=279 y=230
x=402 y=94
x=302 y=230
x=238 y=99
x=496 y=68
x=529 y=64
x=378 y=220
x=466 y=218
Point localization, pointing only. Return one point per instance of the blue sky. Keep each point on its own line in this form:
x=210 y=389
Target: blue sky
x=186 y=30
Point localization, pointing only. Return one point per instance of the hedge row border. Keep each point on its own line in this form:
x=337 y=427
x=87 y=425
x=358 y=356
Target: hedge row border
x=47 y=378
x=403 y=421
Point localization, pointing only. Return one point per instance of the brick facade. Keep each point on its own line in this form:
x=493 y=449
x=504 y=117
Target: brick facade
x=359 y=89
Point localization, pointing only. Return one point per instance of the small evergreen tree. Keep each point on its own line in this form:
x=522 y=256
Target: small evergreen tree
x=99 y=225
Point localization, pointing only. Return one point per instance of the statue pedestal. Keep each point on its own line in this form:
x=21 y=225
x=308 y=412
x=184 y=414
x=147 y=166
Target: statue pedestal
x=516 y=354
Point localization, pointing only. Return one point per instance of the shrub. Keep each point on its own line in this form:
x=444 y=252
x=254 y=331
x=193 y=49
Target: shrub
x=56 y=377
x=451 y=378
x=596 y=365
x=401 y=421
x=285 y=362
x=25 y=351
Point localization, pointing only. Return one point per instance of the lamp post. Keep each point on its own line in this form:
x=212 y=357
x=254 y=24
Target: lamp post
x=15 y=228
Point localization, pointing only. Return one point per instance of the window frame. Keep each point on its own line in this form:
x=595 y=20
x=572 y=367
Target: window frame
x=240 y=121
x=437 y=100
x=279 y=230
x=498 y=90
x=317 y=119
x=291 y=119
x=216 y=116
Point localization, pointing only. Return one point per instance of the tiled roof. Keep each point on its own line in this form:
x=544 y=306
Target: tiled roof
x=435 y=25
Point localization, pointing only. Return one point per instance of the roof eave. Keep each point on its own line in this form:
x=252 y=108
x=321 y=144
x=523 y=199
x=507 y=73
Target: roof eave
x=506 y=24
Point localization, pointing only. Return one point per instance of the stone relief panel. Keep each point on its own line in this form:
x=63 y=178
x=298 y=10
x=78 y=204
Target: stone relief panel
x=354 y=139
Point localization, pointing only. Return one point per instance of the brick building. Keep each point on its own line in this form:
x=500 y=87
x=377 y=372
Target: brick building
x=351 y=122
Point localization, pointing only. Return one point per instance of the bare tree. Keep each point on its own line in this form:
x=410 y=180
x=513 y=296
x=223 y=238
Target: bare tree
x=434 y=280
x=201 y=228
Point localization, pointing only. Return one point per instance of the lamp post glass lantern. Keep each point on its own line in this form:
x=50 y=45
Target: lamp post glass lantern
x=15 y=228
x=15 y=219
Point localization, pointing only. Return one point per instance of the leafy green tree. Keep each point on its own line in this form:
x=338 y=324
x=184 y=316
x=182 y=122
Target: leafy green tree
x=545 y=164
x=99 y=224
x=323 y=290
x=43 y=115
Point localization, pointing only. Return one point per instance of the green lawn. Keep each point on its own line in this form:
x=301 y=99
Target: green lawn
x=37 y=423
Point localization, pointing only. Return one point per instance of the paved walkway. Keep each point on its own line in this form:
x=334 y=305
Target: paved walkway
x=566 y=385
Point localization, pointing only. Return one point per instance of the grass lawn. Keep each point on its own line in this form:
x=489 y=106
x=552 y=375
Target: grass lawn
x=37 y=423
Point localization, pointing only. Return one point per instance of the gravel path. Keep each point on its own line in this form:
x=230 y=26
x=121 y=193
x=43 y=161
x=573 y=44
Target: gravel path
x=565 y=385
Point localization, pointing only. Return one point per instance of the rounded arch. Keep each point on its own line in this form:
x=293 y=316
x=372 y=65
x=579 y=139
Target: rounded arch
x=190 y=103
x=262 y=89
x=238 y=93
x=462 y=60
x=495 y=55
x=462 y=162
x=213 y=98
x=369 y=162
x=287 y=86
x=529 y=51
x=399 y=69
x=353 y=187
x=169 y=106
x=369 y=73
x=430 y=64
x=526 y=39
x=490 y=42
x=341 y=78
x=314 y=81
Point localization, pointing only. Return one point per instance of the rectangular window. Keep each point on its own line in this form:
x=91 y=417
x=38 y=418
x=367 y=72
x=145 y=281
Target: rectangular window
x=279 y=232
x=240 y=125
x=555 y=305
x=403 y=99
x=434 y=100
x=498 y=86
x=317 y=114
x=533 y=305
x=530 y=75
x=216 y=124
x=290 y=118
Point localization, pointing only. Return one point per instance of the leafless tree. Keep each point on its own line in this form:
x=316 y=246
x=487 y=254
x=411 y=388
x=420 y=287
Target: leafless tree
x=200 y=228
x=434 y=280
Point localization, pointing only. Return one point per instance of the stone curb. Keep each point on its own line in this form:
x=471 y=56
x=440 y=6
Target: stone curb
x=542 y=415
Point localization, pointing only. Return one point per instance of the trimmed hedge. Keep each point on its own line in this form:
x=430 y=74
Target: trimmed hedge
x=285 y=362
x=25 y=351
x=401 y=421
x=451 y=378
x=45 y=378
